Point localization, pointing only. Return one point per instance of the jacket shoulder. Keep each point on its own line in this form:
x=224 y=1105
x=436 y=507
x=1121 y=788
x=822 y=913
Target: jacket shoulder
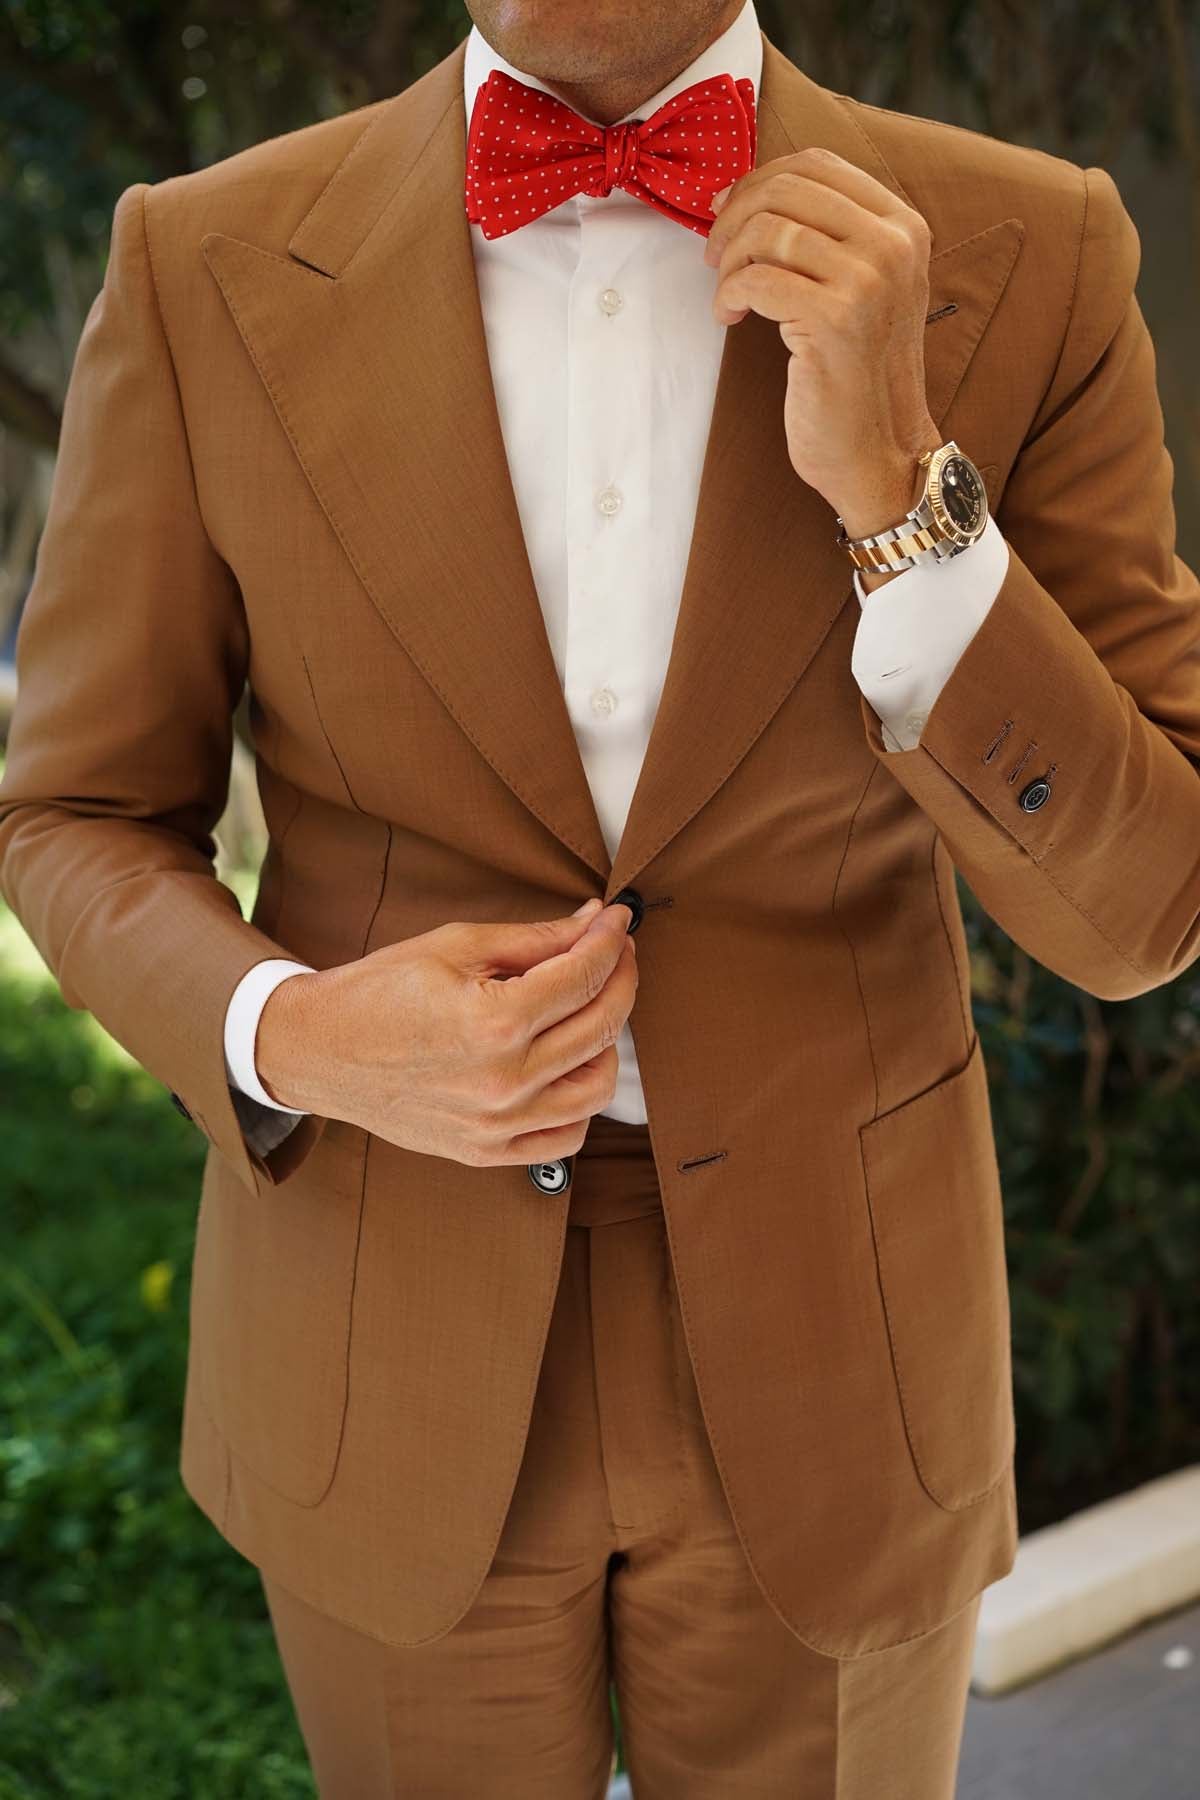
x=964 y=180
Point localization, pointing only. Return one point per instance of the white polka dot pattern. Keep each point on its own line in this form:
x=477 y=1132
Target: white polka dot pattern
x=528 y=152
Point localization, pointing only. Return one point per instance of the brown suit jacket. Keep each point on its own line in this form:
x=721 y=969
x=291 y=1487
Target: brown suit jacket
x=281 y=460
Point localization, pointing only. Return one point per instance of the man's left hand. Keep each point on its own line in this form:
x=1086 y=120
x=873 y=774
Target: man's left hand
x=842 y=264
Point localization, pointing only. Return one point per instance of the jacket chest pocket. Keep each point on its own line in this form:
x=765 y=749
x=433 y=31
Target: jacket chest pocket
x=933 y=1190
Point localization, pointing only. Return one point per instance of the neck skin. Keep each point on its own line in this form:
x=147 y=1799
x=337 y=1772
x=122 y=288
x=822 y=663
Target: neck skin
x=606 y=98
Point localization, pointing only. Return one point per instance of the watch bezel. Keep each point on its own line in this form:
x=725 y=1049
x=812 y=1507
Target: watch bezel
x=957 y=534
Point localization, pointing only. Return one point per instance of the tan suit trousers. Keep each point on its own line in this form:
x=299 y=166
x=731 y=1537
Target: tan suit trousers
x=619 y=1561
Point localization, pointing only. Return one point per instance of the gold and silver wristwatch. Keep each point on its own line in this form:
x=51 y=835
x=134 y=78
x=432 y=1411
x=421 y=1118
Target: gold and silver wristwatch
x=948 y=516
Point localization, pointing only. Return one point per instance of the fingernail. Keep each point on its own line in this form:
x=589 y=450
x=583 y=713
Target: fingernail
x=718 y=200
x=588 y=906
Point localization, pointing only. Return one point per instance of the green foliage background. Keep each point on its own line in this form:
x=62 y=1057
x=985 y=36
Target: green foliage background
x=136 y=1658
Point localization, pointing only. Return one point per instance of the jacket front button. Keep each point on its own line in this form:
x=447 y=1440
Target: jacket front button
x=549 y=1177
x=1035 y=795
x=633 y=900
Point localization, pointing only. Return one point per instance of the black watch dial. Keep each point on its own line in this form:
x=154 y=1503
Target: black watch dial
x=962 y=493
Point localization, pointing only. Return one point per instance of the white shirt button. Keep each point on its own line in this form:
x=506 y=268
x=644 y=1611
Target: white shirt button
x=915 y=721
x=610 y=301
x=609 y=500
x=604 y=701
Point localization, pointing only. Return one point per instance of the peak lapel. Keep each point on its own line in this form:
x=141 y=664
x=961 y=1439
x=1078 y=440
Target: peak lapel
x=765 y=579
x=369 y=339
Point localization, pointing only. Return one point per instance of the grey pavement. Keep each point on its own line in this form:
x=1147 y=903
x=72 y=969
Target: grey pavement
x=1120 y=1724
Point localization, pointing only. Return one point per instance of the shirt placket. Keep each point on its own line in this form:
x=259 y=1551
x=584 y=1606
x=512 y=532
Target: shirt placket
x=608 y=507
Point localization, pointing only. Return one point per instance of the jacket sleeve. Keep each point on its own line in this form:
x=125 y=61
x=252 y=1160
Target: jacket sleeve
x=1061 y=761
x=132 y=654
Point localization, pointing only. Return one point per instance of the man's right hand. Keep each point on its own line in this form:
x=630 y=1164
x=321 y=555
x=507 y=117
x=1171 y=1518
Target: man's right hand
x=487 y=1044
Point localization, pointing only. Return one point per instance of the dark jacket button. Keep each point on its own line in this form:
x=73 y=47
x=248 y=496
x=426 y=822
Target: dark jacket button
x=177 y=1103
x=633 y=900
x=550 y=1177
x=1035 y=795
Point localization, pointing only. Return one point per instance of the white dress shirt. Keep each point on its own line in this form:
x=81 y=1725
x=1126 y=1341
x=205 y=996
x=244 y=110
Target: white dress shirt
x=604 y=355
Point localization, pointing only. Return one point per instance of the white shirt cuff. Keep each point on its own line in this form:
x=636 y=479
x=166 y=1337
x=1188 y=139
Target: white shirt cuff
x=241 y=1025
x=913 y=630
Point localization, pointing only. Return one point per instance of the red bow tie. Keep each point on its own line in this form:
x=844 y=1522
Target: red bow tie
x=528 y=152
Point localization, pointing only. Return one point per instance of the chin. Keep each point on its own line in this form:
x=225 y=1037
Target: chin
x=565 y=40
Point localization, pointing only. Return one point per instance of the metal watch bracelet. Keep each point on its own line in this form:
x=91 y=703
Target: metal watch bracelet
x=903 y=546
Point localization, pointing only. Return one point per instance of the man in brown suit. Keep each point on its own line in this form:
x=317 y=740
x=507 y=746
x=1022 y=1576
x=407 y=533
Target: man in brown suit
x=508 y=1389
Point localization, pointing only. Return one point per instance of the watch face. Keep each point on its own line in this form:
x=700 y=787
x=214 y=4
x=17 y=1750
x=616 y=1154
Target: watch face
x=962 y=493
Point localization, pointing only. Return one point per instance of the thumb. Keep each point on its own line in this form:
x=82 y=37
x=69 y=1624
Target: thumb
x=511 y=949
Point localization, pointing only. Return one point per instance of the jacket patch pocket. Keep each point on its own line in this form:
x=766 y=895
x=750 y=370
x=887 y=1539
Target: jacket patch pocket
x=933 y=1190
x=272 y=1293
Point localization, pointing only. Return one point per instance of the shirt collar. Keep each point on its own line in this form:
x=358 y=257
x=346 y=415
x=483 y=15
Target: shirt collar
x=737 y=52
